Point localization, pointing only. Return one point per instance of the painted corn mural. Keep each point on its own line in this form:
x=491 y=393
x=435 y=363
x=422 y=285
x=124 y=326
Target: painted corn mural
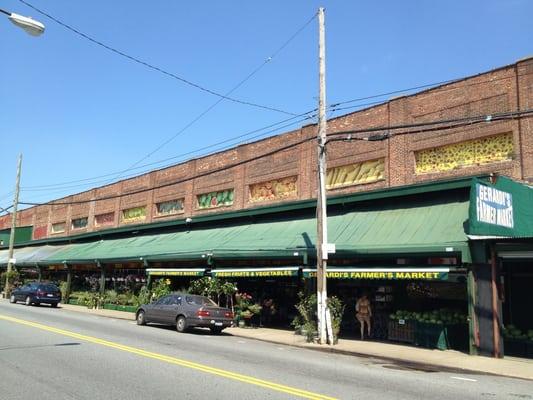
x=274 y=190
x=215 y=199
x=355 y=174
x=465 y=154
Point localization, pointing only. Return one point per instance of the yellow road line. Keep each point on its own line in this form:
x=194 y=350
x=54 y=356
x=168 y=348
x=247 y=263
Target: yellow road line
x=172 y=360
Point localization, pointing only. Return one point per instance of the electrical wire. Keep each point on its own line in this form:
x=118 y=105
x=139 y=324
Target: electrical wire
x=428 y=85
x=91 y=181
x=151 y=66
x=201 y=175
x=431 y=126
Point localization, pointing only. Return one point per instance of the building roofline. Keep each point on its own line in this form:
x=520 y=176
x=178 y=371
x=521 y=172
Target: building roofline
x=399 y=191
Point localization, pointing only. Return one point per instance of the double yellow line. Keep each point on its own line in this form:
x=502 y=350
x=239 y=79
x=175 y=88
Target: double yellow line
x=172 y=360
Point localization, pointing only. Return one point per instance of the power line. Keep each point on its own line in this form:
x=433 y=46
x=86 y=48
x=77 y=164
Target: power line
x=224 y=168
x=428 y=85
x=91 y=181
x=431 y=126
x=151 y=66
x=426 y=127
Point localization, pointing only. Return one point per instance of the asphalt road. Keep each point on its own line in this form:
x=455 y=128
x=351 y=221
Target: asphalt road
x=55 y=354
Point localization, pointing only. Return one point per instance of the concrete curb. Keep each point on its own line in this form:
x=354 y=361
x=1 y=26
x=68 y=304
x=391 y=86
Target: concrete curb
x=404 y=362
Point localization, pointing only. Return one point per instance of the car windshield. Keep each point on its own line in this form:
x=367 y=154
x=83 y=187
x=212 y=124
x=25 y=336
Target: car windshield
x=48 y=288
x=200 y=300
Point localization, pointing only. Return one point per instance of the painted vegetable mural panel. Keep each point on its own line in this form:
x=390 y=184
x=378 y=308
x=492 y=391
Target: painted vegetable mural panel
x=355 y=174
x=215 y=199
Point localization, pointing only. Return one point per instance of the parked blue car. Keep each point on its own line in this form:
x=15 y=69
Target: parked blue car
x=37 y=293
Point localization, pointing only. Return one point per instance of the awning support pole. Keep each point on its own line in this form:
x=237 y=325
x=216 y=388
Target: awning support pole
x=495 y=308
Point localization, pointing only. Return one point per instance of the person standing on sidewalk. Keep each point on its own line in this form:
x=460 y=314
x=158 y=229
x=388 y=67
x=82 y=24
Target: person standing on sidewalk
x=363 y=313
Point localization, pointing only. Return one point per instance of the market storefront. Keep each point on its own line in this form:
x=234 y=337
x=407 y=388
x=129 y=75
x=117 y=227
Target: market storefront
x=424 y=306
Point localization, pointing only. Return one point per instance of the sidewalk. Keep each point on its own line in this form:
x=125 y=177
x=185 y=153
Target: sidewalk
x=407 y=356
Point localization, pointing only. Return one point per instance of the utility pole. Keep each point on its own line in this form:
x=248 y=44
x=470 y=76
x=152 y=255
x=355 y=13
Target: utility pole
x=322 y=234
x=7 y=289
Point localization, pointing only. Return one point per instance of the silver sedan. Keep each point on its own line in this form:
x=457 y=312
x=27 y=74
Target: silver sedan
x=185 y=311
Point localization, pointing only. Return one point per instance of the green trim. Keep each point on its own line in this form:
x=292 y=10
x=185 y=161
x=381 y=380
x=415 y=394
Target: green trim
x=462 y=183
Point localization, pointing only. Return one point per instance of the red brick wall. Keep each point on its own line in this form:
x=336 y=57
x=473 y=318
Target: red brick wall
x=504 y=89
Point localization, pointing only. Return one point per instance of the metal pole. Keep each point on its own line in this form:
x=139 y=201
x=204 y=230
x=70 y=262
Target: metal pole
x=7 y=289
x=495 y=308
x=322 y=234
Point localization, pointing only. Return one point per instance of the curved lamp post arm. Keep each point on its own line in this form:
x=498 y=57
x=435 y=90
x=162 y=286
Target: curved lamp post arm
x=31 y=26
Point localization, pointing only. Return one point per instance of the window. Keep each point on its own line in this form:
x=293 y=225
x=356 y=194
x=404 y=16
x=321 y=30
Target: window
x=79 y=223
x=135 y=214
x=58 y=227
x=104 y=219
x=169 y=207
x=215 y=199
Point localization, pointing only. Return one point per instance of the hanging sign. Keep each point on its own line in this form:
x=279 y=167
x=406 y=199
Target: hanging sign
x=255 y=272
x=175 y=272
x=440 y=274
x=494 y=206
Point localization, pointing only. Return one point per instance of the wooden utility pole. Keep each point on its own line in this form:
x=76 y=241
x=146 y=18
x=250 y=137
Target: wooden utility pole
x=322 y=234
x=7 y=289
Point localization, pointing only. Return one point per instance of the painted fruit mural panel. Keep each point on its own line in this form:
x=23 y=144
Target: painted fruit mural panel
x=465 y=154
x=134 y=214
x=274 y=190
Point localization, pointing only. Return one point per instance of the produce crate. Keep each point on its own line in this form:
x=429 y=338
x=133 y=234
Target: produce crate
x=73 y=301
x=401 y=331
x=431 y=336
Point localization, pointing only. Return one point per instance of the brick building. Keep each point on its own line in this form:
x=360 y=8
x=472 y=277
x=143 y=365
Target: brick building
x=504 y=147
x=402 y=204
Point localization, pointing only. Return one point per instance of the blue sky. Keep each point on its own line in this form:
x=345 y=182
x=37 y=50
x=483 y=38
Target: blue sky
x=78 y=111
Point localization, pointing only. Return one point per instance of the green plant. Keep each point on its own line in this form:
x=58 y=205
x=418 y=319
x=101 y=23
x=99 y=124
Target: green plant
x=306 y=319
x=13 y=278
x=89 y=299
x=110 y=297
x=63 y=289
x=143 y=297
x=160 y=288
x=336 y=309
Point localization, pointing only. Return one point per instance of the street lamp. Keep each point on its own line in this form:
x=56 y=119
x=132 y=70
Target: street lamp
x=31 y=26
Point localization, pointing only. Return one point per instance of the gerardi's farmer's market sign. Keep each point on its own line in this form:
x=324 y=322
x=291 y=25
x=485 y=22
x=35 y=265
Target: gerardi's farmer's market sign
x=503 y=208
x=392 y=273
x=494 y=206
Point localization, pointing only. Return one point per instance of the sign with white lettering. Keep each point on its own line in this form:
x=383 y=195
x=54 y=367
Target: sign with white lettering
x=494 y=206
x=500 y=207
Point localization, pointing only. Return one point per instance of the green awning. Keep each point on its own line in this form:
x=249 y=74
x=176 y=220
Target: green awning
x=255 y=272
x=31 y=255
x=412 y=273
x=175 y=271
x=423 y=227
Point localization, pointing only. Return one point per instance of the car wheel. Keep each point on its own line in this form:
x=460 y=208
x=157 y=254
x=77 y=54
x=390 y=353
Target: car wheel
x=12 y=299
x=181 y=324
x=54 y=305
x=27 y=301
x=215 y=330
x=141 y=320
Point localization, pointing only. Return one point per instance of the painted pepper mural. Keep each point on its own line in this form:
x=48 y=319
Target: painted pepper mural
x=215 y=199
